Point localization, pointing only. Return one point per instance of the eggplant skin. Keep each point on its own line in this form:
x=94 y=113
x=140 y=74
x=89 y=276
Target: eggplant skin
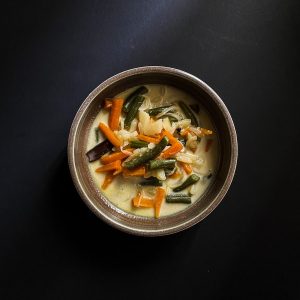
x=99 y=150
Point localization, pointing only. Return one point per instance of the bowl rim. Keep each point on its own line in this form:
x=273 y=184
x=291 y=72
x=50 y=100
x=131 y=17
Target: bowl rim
x=74 y=131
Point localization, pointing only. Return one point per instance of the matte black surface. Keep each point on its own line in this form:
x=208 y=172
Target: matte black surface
x=54 y=54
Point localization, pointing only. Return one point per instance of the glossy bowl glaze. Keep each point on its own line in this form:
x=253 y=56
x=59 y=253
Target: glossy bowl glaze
x=194 y=213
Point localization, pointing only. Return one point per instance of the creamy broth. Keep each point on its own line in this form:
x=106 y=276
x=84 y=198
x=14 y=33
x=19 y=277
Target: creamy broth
x=122 y=190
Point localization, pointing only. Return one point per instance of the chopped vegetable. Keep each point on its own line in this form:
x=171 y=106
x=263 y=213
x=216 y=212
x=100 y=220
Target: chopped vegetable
x=187 y=168
x=139 y=201
x=178 y=198
x=110 y=135
x=147 y=155
x=162 y=164
x=106 y=159
x=107 y=180
x=192 y=179
x=157 y=110
x=140 y=171
x=113 y=166
x=172 y=150
x=115 y=113
x=133 y=109
x=99 y=150
x=138 y=144
x=140 y=91
x=97 y=134
x=151 y=181
x=175 y=175
x=188 y=113
x=148 y=139
x=158 y=199
x=208 y=145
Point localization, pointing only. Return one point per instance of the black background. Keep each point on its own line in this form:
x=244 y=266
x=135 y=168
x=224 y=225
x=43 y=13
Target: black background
x=54 y=54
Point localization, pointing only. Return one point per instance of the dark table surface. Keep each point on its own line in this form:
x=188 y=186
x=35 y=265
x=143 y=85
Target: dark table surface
x=54 y=54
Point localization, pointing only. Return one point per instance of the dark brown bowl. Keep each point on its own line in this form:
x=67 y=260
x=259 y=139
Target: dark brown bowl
x=93 y=197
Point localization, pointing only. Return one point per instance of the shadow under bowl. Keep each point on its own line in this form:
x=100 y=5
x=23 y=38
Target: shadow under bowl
x=194 y=213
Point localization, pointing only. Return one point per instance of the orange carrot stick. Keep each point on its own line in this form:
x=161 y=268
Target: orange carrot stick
x=175 y=148
x=106 y=159
x=142 y=202
x=208 y=145
x=110 y=135
x=113 y=166
x=140 y=171
x=148 y=139
x=137 y=199
x=170 y=136
x=186 y=167
x=158 y=199
x=115 y=113
x=107 y=180
x=175 y=175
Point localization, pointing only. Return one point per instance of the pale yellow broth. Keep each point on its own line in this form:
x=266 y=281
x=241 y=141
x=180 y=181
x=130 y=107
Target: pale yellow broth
x=121 y=191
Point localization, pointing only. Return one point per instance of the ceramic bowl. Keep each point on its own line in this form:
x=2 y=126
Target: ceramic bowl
x=194 y=213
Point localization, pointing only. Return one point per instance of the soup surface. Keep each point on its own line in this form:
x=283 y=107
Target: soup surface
x=177 y=144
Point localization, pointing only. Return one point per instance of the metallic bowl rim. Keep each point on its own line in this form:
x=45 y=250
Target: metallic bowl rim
x=173 y=72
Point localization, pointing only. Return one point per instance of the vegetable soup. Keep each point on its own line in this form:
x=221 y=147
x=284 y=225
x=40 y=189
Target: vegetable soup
x=152 y=150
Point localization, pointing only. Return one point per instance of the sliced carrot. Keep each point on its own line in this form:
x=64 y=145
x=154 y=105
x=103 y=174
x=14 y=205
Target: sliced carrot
x=106 y=159
x=148 y=139
x=115 y=113
x=208 y=145
x=113 y=166
x=137 y=199
x=158 y=199
x=110 y=135
x=170 y=136
x=140 y=171
x=107 y=180
x=175 y=175
x=186 y=167
x=107 y=104
x=142 y=202
x=175 y=148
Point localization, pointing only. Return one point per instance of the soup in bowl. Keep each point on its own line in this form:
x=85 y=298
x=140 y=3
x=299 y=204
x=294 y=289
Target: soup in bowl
x=152 y=150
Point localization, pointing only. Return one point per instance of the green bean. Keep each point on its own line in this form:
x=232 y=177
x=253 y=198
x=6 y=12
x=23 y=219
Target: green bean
x=189 y=181
x=162 y=164
x=138 y=144
x=97 y=134
x=171 y=118
x=178 y=198
x=151 y=181
x=188 y=113
x=133 y=109
x=140 y=91
x=149 y=154
x=157 y=110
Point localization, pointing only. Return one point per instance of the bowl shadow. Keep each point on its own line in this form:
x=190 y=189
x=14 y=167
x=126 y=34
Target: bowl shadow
x=80 y=230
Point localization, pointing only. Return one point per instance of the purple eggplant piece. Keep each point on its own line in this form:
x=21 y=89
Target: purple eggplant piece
x=99 y=150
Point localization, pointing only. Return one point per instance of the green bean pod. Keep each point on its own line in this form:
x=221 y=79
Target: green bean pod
x=133 y=109
x=157 y=110
x=188 y=113
x=192 y=179
x=140 y=91
x=178 y=198
x=149 y=154
x=161 y=164
x=138 y=144
x=151 y=181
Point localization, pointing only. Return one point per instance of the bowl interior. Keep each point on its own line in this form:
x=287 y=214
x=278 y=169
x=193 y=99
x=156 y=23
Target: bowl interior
x=101 y=206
